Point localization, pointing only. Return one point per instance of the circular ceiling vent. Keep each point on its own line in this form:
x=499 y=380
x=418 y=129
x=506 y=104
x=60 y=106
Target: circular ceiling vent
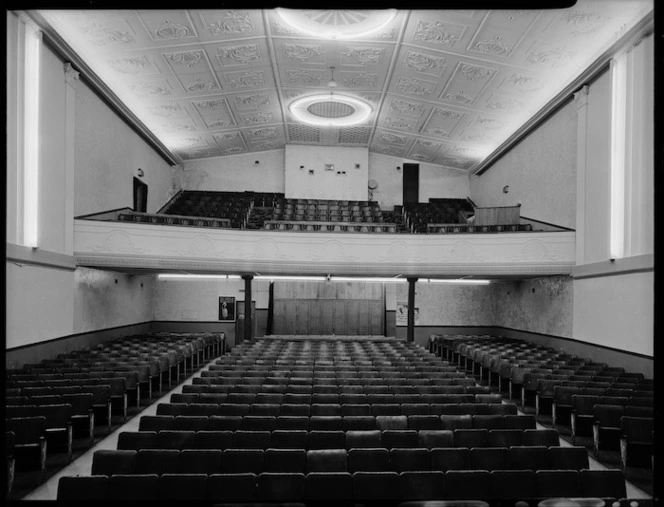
x=337 y=23
x=332 y=110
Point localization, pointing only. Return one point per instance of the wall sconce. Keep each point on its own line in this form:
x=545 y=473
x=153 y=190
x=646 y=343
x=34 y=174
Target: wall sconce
x=256 y=162
x=506 y=189
x=140 y=172
x=398 y=168
x=311 y=172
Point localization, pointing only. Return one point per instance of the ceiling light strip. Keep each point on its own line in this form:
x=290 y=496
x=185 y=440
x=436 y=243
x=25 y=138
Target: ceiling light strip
x=307 y=278
x=190 y=276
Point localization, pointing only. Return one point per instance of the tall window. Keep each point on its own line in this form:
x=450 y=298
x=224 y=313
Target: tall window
x=632 y=156
x=23 y=76
x=31 y=136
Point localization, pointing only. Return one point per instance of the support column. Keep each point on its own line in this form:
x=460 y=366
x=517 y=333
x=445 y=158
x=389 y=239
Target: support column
x=410 y=330
x=247 y=306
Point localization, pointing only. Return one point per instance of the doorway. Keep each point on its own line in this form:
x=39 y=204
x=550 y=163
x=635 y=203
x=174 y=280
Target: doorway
x=411 y=183
x=140 y=195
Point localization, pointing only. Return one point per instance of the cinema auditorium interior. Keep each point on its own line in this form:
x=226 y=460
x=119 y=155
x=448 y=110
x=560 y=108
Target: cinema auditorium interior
x=357 y=258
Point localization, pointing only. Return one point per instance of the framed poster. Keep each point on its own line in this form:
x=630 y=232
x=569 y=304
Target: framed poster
x=402 y=314
x=227 y=308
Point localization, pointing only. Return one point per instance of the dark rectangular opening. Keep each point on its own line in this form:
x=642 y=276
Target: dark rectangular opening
x=140 y=195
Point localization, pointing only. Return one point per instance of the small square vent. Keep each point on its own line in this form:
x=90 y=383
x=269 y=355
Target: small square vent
x=303 y=134
x=354 y=135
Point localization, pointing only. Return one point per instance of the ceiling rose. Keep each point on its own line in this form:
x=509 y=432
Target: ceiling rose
x=331 y=110
x=337 y=24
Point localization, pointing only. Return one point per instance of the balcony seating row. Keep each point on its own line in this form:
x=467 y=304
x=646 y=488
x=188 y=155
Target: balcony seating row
x=234 y=206
x=436 y=211
x=344 y=488
x=324 y=226
x=153 y=218
x=443 y=228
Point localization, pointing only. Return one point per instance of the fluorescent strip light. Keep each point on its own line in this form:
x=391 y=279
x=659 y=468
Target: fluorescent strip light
x=618 y=126
x=377 y=279
x=463 y=281
x=31 y=137
x=293 y=278
x=193 y=277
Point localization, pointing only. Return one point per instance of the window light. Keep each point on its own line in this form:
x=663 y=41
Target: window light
x=618 y=127
x=31 y=137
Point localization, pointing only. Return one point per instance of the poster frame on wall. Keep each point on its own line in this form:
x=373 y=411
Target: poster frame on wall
x=227 y=309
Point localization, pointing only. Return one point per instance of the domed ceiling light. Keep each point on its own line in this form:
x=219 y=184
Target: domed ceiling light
x=330 y=110
x=337 y=24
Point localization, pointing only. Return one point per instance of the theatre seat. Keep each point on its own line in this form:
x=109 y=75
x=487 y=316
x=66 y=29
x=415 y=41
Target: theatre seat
x=83 y=488
x=329 y=486
x=375 y=486
x=281 y=486
x=421 y=485
x=182 y=487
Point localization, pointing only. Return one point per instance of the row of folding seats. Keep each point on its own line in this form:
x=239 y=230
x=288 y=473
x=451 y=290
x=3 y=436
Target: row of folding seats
x=296 y=393
x=314 y=439
x=433 y=410
x=344 y=488
x=275 y=393
x=170 y=220
x=376 y=459
x=611 y=402
x=342 y=439
x=540 y=371
x=47 y=398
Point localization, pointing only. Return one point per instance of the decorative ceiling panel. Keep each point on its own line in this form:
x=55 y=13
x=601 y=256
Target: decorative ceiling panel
x=445 y=87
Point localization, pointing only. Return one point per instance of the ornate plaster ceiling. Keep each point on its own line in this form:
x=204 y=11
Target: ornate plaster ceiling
x=445 y=87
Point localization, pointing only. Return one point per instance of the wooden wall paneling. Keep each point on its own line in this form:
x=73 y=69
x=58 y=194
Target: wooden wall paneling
x=302 y=316
x=316 y=316
x=340 y=325
x=352 y=317
x=364 y=324
x=327 y=290
x=329 y=317
x=376 y=317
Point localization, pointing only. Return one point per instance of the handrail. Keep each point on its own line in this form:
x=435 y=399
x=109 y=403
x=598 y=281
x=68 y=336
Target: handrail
x=170 y=201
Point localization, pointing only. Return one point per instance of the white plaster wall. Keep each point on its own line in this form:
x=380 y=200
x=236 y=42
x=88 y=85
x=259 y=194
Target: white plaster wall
x=541 y=305
x=540 y=171
x=451 y=305
x=108 y=154
x=322 y=184
x=237 y=173
x=12 y=61
x=616 y=311
x=597 y=212
x=100 y=302
x=198 y=300
x=39 y=304
x=52 y=179
x=435 y=180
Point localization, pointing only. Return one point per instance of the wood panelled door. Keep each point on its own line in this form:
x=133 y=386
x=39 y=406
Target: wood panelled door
x=329 y=308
